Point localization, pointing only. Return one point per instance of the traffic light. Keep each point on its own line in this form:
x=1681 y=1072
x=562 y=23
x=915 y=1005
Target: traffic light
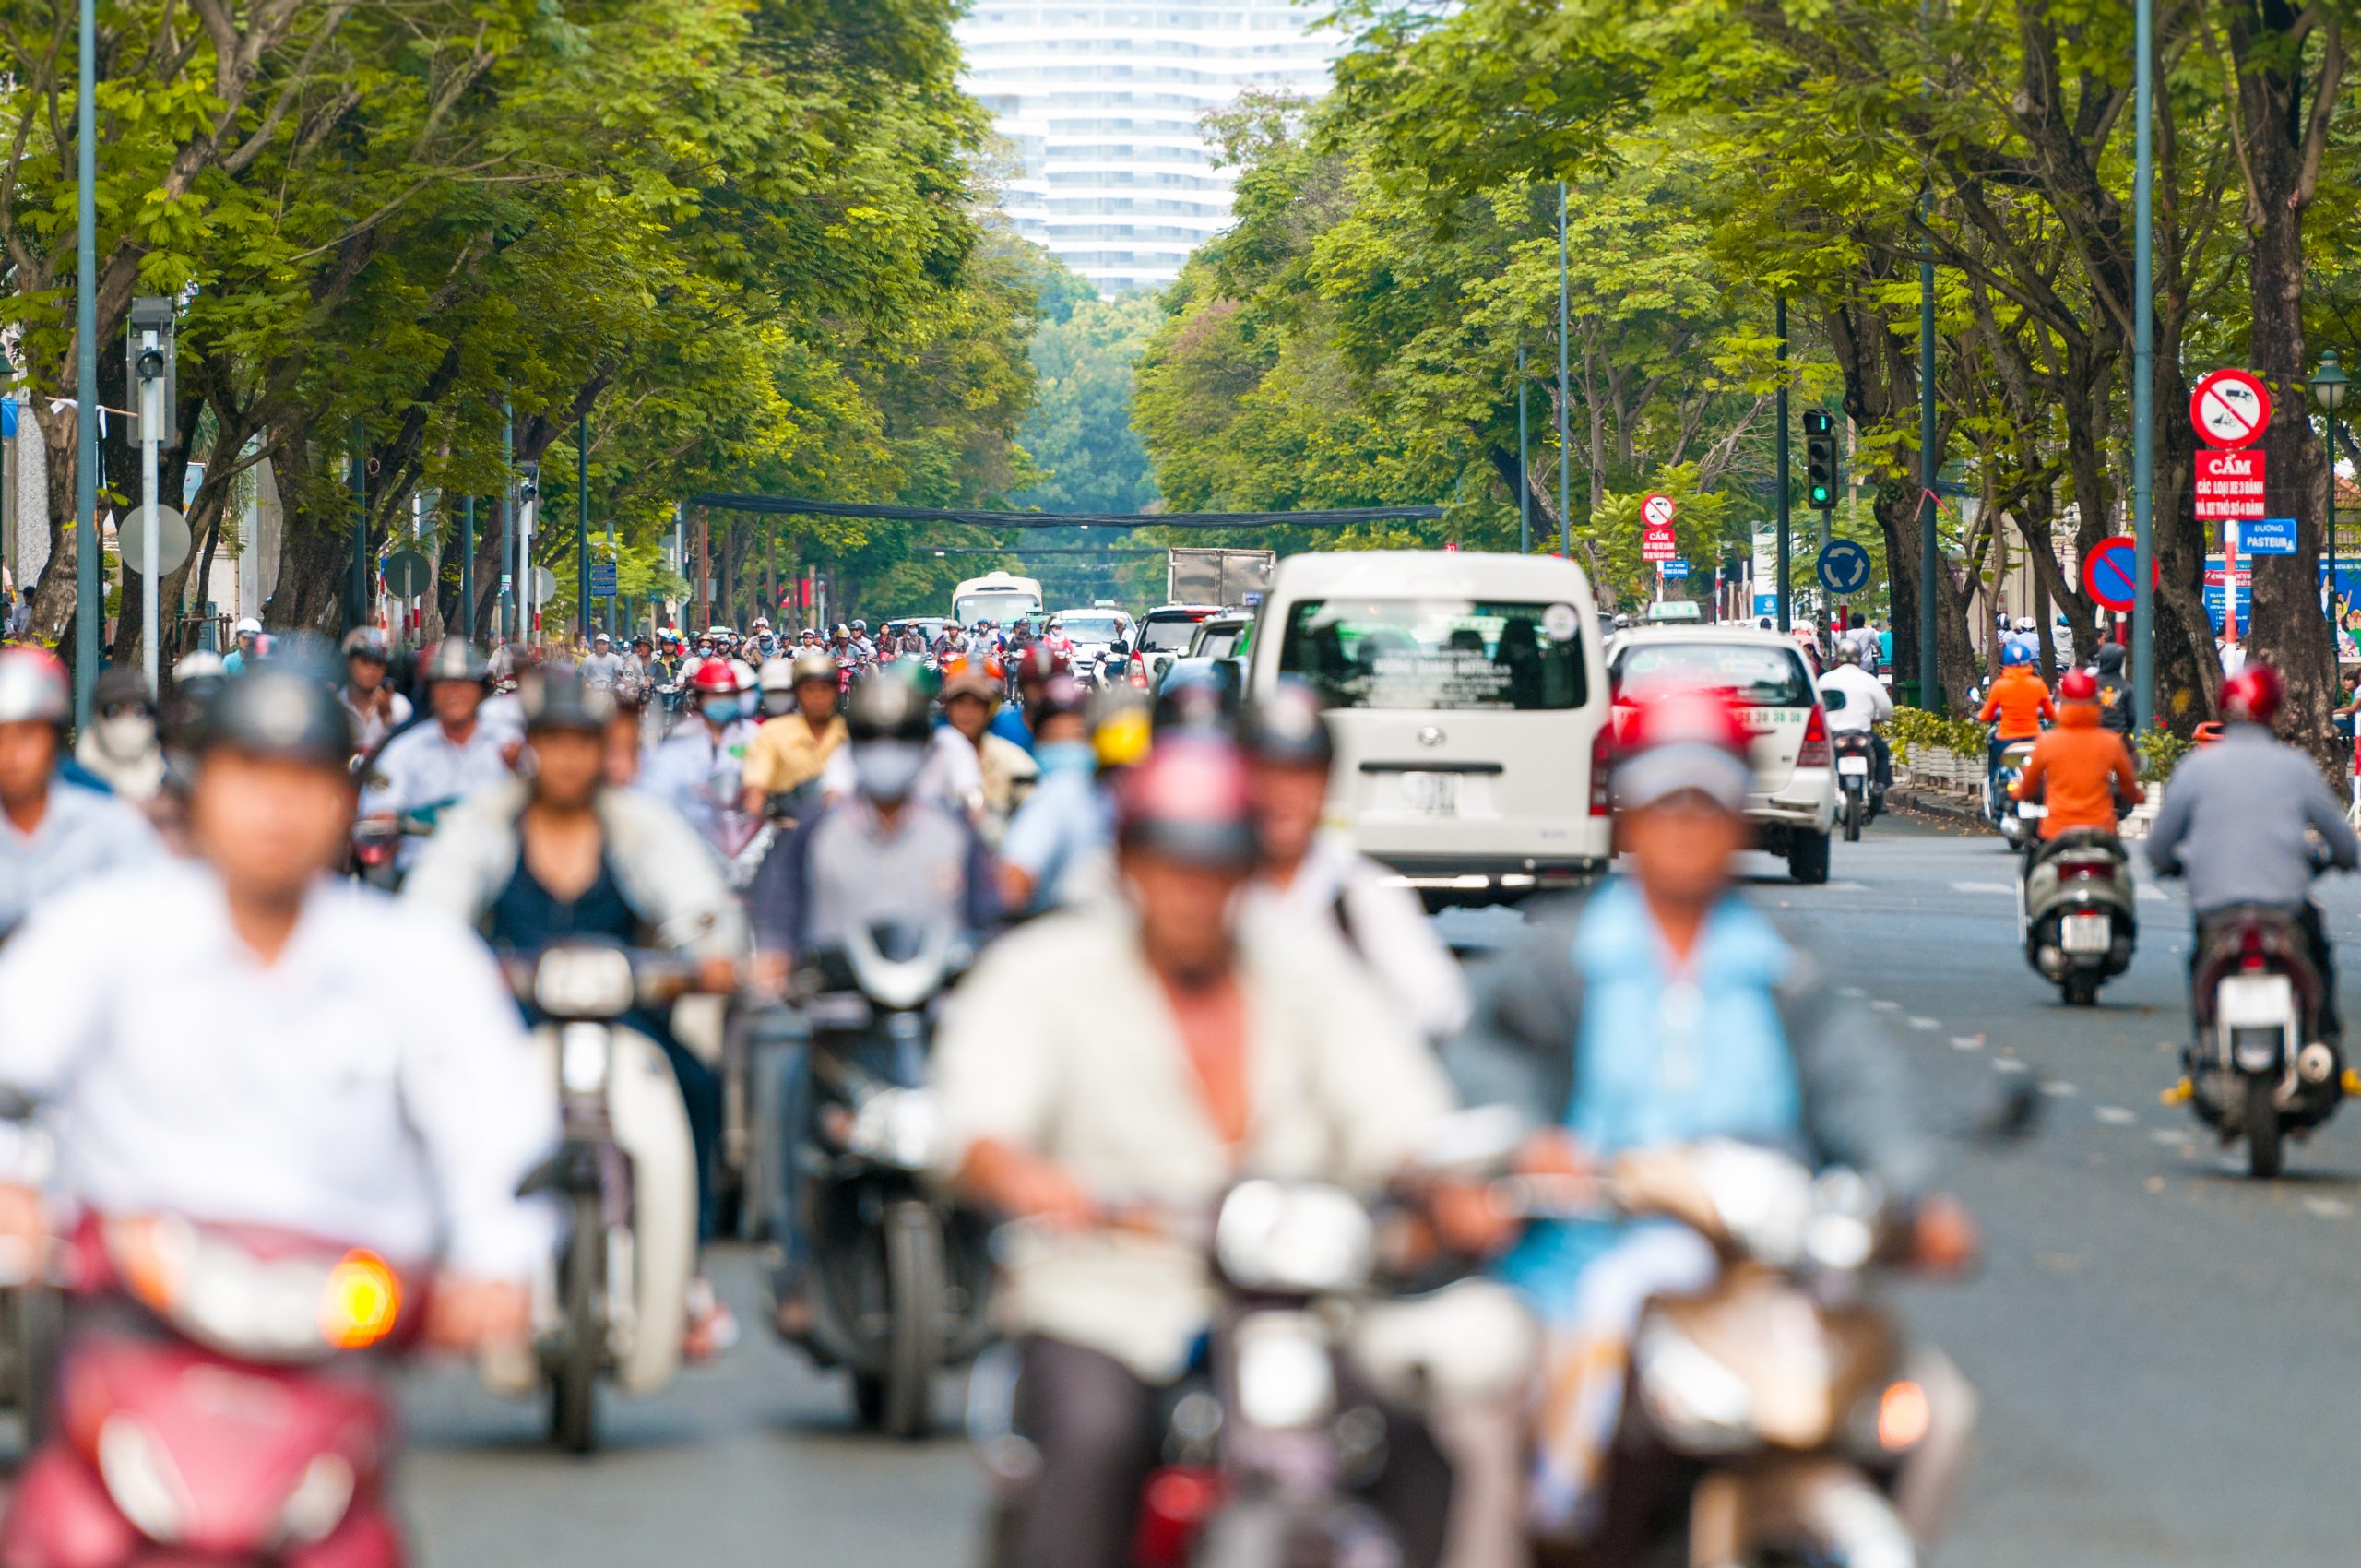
x=1819 y=459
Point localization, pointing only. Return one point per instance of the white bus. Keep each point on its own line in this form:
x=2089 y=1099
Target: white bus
x=996 y=596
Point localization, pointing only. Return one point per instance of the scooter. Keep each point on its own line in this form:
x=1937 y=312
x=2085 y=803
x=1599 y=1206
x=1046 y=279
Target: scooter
x=2259 y=1070
x=219 y=1402
x=2075 y=912
x=2014 y=818
x=1864 y=797
x=612 y=1304
x=898 y=1277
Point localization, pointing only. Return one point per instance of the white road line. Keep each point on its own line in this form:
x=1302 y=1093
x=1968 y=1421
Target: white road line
x=2008 y=1064
x=2116 y=1116
x=1851 y=993
x=2006 y=887
x=1967 y=1042
x=2057 y=1090
x=2327 y=1208
x=1925 y=1023
x=2148 y=895
x=2169 y=1137
x=1845 y=887
x=1883 y=1006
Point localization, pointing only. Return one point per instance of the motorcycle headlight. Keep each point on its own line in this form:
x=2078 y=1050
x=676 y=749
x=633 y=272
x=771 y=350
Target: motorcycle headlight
x=142 y=1479
x=1296 y=1238
x=1285 y=1372
x=1698 y=1404
x=897 y=1127
x=584 y=982
x=317 y=1504
x=1890 y=1420
x=582 y=1056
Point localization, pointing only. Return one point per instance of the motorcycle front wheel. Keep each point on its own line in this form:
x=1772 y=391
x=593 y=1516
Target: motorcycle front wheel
x=573 y=1371
x=2264 y=1154
x=915 y=1276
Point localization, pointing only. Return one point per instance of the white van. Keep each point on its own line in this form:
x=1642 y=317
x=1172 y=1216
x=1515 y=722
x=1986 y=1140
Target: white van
x=1469 y=701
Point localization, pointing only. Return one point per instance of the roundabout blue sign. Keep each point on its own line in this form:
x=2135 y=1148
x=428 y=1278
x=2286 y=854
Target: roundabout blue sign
x=1843 y=567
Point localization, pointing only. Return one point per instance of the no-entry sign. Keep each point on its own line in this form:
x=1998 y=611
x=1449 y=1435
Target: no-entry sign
x=2109 y=571
x=2229 y=408
x=1656 y=509
x=2229 y=486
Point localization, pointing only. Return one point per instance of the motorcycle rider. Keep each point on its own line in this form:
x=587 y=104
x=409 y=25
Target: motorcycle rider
x=377 y=709
x=1664 y=1009
x=1034 y=668
x=1059 y=850
x=452 y=754
x=2115 y=691
x=1867 y=704
x=1147 y=1052
x=557 y=854
x=2080 y=767
x=120 y=747
x=1314 y=881
x=603 y=668
x=247 y=632
x=697 y=767
x=795 y=743
x=53 y=833
x=2234 y=824
x=290 y=1050
x=2016 y=705
x=982 y=773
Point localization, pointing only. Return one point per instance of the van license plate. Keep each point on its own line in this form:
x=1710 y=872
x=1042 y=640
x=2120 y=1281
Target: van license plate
x=2085 y=933
x=1431 y=794
x=1852 y=767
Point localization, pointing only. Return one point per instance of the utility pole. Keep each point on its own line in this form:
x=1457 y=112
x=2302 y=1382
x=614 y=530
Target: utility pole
x=705 y=570
x=2143 y=388
x=1784 y=609
x=151 y=387
x=582 y=531
x=360 y=583
x=1565 y=451
x=467 y=569
x=504 y=623
x=88 y=593
x=1930 y=563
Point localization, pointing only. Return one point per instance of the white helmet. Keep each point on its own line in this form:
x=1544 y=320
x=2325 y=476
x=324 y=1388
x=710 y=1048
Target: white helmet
x=32 y=687
x=2024 y=624
x=778 y=674
x=249 y=627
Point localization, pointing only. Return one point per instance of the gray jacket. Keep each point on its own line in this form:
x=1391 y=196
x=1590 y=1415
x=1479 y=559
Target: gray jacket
x=666 y=872
x=2234 y=818
x=1859 y=1109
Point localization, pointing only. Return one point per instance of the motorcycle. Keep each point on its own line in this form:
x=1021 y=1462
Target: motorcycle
x=2258 y=1069
x=2014 y=818
x=219 y=1402
x=2075 y=912
x=377 y=844
x=1864 y=797
x=899 y=1277
x=612 y=1302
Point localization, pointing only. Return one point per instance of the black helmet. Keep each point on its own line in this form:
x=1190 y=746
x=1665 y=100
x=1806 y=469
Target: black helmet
x=279 y=710
x=560 y=701
x=887 y=707
x=121 y=685
x=455 y=658
x=1288 y=728
x=1196 y=697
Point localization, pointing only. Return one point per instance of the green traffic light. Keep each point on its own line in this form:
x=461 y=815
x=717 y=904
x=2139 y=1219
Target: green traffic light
x=1821 y=496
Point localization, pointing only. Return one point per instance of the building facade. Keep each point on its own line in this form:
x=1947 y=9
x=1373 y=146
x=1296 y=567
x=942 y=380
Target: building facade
x=1102 y=103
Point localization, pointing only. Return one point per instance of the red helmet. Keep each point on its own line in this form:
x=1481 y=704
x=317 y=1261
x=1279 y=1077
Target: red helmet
x=1678 y=737
x=1039 y=662
x=716 y=678
x=2253 y=695
x=2078 y=685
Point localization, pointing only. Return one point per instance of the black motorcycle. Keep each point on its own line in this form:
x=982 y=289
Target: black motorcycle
x=1862 y=795
x=897 y=1277
x=2259 y=1069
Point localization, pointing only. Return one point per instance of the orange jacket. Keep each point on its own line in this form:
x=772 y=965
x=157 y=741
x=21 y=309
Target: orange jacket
x=2079 y=766
x=2022 y=702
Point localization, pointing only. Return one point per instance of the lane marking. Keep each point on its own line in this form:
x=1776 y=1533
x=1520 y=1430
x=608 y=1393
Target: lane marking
x=2008 y=887
x=2148 y=895
x=1845 y=887
x=2170 y=1137
x=2059 y=1091
x=2010 y=1064
x=2327 y=1208
x=1884 y=1006
x=1925 y=1023
x=1851 y=993
x=2116 y=1116
x=1967 y=1042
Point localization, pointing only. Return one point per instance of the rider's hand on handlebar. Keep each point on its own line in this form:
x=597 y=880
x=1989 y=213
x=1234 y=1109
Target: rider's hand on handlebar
x=1024 y=1187
x=468 y=1315
x=1554 y=1152
x=717 y=974
x=22 y=1217
x=1470 y=1218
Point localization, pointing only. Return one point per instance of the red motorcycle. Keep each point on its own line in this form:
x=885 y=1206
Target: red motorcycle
x=216 y=1404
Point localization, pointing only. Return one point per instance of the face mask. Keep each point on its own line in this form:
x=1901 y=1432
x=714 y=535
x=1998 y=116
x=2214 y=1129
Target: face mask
x=751 y=706
x=886 y=769
x=1066 y=756
x=720 y=710
x=126 y=736
x=779 y=704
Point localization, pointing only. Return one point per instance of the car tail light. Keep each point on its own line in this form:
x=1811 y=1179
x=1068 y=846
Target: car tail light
x=1139 y=672
x=1813 y=752
x=1173 y=1511
x=1602 y=755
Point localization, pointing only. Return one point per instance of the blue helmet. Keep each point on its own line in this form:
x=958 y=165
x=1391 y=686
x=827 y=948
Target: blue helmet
x=2013 y=654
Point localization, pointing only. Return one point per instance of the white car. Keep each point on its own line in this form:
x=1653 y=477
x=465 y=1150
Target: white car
x=1467 y=698
x=1793 y=804
x=1165 y=637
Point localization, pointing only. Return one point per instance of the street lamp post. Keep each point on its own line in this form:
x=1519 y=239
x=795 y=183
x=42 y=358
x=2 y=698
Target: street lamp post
x=2328 y=384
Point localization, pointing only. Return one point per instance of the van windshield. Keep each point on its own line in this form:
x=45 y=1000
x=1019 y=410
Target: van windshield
x=1762 y=677
x=1436 y=654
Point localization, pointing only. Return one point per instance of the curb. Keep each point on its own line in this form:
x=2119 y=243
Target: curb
x=1927 y=803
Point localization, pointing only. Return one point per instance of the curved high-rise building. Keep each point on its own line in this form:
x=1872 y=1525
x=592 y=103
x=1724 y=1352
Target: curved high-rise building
x=1102 y=102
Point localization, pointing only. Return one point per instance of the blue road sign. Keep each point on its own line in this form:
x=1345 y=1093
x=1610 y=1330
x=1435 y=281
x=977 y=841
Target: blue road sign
x=1676 y=567
x=602 y=579
x=2267 y=536
x=1843 y=567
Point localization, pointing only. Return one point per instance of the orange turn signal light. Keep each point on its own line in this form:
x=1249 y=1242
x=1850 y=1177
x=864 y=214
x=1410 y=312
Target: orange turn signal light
x=1903 y=1417
x=362 y=1299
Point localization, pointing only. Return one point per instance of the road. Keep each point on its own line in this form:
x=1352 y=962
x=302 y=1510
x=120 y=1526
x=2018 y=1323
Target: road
x=2167 y=1353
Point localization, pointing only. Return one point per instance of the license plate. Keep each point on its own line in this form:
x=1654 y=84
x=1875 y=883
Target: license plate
x=2032 y=809
x=1431 y=794
x=2085 y=933
x=1852 y=767
x=2255 y=1001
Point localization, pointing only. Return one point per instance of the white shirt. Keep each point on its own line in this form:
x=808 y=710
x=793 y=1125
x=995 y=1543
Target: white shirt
x=698 y=774
x=368 y=729
x=423 y=767
x=1379 y=924
x=371 y=1086
x=82 y=834
x=1865 y=699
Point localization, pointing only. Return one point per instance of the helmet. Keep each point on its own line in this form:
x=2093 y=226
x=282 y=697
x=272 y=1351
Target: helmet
x=598 y=637
x=365 y=642
x=248 y=628
x=2078 y=685
x=1847 y=653
x=2024 y=624
x=204 y=664
x=843 y=630
x=560 y=700
x=32 y=687
x=455 y=658
x=2014 y=655
x=2253 y=695
x=1201 y=696
x=974 y=678
x=1059 y=693
x=745 y=673
x=1039 y=662
x=860 y=625
x=1288 y=728
x=284 y=711
x=815 y=664
x=884 y=708
x=2110 y=658
x=761 y=623
x=1188 y=802
x=119 y=685
x=776 y=674
x=1120 y=730
x=1682 y=737
x=717 y=677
